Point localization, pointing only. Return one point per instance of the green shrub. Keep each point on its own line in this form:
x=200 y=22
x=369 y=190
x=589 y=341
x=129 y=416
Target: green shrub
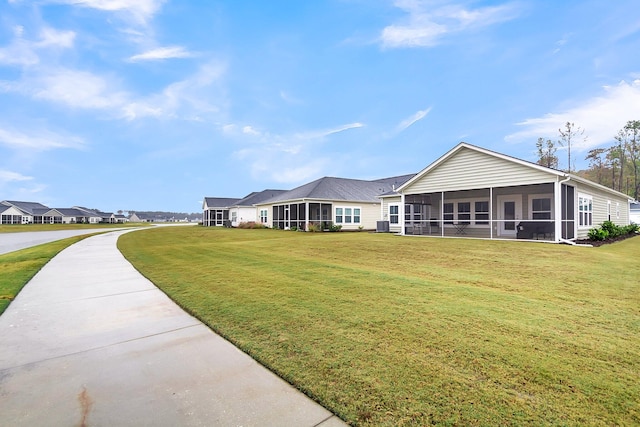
x=314 y=227
x=251 y=225
x=598 y=234
x=335 y=227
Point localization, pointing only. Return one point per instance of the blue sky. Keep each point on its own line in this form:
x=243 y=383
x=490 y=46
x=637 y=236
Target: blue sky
x=152 y=105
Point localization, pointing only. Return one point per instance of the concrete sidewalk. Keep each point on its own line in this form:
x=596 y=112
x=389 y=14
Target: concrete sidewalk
x=89 y=341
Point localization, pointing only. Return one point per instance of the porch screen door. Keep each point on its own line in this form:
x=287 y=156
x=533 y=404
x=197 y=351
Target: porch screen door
x=509 y=215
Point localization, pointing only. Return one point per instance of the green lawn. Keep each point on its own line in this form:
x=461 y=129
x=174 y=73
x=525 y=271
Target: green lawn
x=17 y=268
x=387 y=330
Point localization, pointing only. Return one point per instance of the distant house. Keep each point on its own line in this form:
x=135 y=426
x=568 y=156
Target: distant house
x=634 y=214
x=94 y=216
x=351 y=204
x=10 y=214
x=474 y=192
x=215 y=211
x=30 y=213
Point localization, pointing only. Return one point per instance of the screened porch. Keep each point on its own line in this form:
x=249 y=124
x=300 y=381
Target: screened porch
x=520 y=212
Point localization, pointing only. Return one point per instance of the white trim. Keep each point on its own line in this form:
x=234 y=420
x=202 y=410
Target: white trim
x=344 y=215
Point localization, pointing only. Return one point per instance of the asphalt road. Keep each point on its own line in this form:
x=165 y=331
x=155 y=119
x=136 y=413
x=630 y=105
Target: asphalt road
x=10 y=242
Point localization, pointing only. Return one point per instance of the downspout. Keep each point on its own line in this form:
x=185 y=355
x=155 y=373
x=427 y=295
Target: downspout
x=558 y=201
x=401 y=214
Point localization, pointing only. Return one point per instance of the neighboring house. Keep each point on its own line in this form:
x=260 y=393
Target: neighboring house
x=120 y=218
x=244 y=210
x=634 y=213
x=94 y=216
x=215 y=211
x=474 y=192
x=73 y=216
x=350 y=203
x=12 y=215
x=31 y=212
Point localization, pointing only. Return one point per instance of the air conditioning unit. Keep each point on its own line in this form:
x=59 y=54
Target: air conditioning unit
x=382 y=226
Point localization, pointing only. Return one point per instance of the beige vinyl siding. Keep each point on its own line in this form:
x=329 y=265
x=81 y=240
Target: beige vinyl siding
x=393 y=228
x=369 y=214
x=600 y=209
x=468 y=169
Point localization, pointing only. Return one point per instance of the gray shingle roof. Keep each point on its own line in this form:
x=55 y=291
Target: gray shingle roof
x=330 y=188
x=32 y=208
x=220 y=202
x=258 y=197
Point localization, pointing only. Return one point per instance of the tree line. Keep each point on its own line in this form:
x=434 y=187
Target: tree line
x=617 y=166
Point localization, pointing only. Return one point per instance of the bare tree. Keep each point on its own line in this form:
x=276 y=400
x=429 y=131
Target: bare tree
x=547 y=153
x=568 y=136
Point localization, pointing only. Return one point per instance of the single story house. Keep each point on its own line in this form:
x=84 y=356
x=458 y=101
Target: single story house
x=12 y=215
x=215 y=211
x=474 y=192
x=29 y=213
x=352 y=204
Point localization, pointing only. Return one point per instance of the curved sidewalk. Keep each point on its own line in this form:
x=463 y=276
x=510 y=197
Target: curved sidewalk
x=90 y=341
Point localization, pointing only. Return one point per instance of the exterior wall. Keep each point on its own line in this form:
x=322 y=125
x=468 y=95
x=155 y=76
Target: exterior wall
x=369 y=215
x=243 y=214
x=386 y=201
x=469 y=169
x=601 y=201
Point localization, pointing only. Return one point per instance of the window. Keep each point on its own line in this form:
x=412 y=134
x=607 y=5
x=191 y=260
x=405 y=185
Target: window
x=447 y=209
x=394 y=214
x=263 y=216
x=464 y=212
x=348 y=215
x=482 y=213
x=585 y=210
x=234 y=216
x=541 y=208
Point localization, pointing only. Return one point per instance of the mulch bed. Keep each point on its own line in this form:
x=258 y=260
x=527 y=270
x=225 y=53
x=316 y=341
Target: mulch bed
x=596 y=243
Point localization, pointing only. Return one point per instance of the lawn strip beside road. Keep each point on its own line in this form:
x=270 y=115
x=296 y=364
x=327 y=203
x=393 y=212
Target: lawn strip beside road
x=386 y=330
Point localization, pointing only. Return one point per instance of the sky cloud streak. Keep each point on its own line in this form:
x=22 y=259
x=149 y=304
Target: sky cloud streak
x=428 y=24
x=601 y=117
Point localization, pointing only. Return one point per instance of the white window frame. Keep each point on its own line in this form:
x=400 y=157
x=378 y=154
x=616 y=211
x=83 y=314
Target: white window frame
x=585 y=216
x=396 y=215
x=541 y=196
x=473 y=222
x=346 y=215
x=264 y=215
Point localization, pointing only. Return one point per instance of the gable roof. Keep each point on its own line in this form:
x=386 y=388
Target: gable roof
x=552 y=172
x=257 y=197
x=71 y=212
x=331 y=188
x=219 y=202
x=31 y=208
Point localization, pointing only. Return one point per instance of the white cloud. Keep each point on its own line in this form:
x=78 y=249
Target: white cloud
x=428 y=22
x=26 y=52
x=411 y=120
x=140 y=11
x=161 y=53
x=38 y=140
x=601 y=117
x=9 y=176
x=184 y=98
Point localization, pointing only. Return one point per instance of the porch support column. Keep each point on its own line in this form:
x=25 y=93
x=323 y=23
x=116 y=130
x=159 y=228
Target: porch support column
x=401 y=215
x=442 y=214
x=557 y=208
x=491 y=212
x=306 y=216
